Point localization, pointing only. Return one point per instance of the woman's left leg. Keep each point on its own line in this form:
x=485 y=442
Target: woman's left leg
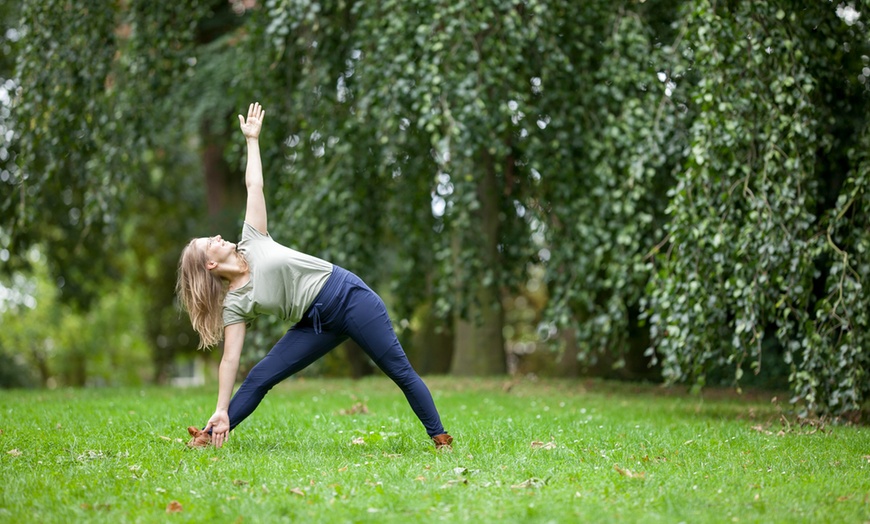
x=367 y=322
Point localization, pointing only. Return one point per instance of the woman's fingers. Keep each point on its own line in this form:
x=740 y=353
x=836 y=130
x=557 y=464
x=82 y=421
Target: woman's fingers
x=254 y=121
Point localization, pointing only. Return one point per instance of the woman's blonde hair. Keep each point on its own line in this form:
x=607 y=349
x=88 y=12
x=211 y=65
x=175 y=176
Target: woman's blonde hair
x=201 y=294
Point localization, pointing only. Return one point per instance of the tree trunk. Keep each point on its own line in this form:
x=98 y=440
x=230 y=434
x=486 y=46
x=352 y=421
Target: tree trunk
x=479 y=347
x=77 y=370
x=479 y=341
x=567 y=365
x=224 y=186
x=431 y=347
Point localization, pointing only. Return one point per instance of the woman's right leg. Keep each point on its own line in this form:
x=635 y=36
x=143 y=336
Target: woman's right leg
x=296 y=350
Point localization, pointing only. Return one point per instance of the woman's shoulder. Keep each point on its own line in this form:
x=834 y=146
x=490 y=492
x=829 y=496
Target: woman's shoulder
x=250 y=232
x=238 y=303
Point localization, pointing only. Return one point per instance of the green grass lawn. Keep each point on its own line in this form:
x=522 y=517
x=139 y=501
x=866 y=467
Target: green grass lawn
x=548 y=451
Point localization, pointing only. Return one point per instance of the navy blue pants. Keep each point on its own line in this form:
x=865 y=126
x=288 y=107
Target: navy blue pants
x=345 y=307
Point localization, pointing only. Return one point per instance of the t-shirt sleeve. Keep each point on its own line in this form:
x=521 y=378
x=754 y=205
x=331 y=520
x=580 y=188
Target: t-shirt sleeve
x=232 y=316
x=249 y=232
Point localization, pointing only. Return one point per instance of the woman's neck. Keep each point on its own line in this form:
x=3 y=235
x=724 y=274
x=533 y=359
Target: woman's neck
x=236 y=274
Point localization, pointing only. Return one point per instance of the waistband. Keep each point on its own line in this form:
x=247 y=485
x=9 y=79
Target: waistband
x=327 y=295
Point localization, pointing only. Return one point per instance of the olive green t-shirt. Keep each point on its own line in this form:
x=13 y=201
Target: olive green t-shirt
x=284 y=282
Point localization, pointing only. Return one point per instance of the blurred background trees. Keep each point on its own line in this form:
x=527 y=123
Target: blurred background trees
x=654 y=189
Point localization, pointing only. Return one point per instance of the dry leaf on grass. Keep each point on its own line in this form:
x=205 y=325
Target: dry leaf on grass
x=533 y=482
x=628 y=473
x=357 y=409
x=761 y=430
x=174 y=507
x=239 y=482
x=297 y=491
x=14 y=452
x=359 y=441
x=104 y=507
x=543 y=445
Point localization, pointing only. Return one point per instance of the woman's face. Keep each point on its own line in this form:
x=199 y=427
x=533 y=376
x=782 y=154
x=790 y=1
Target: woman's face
x=216 y=248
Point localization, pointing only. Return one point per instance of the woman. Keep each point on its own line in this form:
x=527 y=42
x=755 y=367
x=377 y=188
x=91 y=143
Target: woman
x=224 y=286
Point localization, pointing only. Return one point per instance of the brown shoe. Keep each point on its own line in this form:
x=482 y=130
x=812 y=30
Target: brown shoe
x=443 y=441
x=200 y=438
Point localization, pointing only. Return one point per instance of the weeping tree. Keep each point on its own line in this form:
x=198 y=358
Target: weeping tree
x=95 y=137
x=692 y=172
x=604 y=170
x=401 y=159
x=757 y=251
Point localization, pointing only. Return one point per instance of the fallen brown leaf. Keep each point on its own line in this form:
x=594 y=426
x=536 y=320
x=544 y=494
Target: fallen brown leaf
x=359 y=441
x=14 y=452
x=628 y=473
x=421 y=478
x=239 y=482
x=761 y=430
x=174 y=507
x=533 y=482
x=357 y=409
x=297 y=491
x=98 y=507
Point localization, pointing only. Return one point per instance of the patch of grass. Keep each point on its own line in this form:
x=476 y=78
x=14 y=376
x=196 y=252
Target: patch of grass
x=546 y=451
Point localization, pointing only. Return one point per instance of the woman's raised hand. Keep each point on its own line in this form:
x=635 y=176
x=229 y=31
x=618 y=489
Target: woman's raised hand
x=251 y=127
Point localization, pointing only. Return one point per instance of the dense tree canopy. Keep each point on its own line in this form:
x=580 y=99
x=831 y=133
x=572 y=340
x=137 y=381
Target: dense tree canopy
x=689 y=177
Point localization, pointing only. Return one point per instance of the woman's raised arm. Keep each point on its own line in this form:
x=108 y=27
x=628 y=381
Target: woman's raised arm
x=255 y=211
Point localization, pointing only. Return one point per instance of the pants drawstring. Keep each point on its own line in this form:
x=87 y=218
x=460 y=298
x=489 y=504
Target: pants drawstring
x=315 y=314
